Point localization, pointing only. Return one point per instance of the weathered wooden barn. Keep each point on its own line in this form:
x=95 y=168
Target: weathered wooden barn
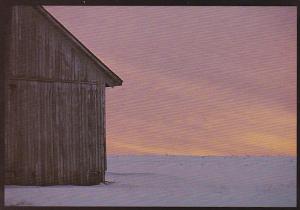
x=55 y=104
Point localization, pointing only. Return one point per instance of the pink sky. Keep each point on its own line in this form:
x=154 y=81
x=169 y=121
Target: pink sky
x=197 y=80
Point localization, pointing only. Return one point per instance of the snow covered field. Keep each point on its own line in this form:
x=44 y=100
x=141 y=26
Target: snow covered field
x=175 y=181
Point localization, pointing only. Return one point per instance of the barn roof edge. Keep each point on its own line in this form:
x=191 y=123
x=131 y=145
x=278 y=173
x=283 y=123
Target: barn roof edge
x=117 y=81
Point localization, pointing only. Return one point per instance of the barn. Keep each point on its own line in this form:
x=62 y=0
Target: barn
x=54 y=104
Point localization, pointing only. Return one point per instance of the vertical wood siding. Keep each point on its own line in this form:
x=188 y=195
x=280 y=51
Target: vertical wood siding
x=41 y=51
x=55 y=118
x=54 y=133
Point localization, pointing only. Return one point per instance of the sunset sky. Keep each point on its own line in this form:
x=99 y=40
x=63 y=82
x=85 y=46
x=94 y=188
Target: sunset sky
x=197 y=80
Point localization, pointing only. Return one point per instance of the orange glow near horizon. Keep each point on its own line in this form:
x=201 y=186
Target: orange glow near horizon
x=200 y=81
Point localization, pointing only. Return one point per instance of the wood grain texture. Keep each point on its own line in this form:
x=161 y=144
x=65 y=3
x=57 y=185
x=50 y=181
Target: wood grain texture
x=55 y=126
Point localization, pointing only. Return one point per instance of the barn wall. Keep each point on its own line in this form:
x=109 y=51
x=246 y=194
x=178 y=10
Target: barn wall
x=55 y=97
x=40 y=50
x=54 y=133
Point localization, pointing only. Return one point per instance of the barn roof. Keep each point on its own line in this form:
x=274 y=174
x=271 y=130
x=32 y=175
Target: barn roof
x=117 y=81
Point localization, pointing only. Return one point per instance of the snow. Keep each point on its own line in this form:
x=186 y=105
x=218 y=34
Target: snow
x=175 y=181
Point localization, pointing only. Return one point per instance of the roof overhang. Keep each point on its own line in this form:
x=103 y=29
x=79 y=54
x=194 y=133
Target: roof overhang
x=114 y=80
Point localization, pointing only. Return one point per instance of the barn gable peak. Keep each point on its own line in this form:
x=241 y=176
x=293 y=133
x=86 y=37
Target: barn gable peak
x=114 y=80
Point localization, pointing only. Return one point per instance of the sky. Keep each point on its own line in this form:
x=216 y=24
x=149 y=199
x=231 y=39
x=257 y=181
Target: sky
x=204 y=81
